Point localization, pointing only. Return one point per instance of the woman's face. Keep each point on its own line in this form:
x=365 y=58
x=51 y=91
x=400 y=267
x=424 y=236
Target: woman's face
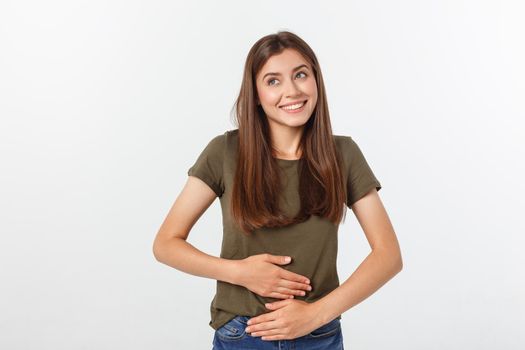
x=287 y=79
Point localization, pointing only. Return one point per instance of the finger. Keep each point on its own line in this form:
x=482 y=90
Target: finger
x=261 y=318
x=288 y=291
x=277 y=304
x=267 y=333
x=274 y=337
x=278 y=259
x=263 y=327
x=280 y=295
x=295 y=286
x=288 y=275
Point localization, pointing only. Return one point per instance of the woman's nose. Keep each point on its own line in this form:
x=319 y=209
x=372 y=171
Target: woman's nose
x=291 y=89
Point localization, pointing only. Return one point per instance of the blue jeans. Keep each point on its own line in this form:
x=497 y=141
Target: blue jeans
x=232 y=336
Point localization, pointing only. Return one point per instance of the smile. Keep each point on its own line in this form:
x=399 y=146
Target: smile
x=294 y=108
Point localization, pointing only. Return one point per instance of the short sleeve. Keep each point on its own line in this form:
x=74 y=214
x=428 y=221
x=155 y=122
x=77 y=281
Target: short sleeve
x=360 y=177
x=208 y=166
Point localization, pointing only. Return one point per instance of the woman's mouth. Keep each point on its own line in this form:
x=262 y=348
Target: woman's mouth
x=295 y=108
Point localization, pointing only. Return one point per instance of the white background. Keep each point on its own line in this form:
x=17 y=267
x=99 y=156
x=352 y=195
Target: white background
x=104 y=106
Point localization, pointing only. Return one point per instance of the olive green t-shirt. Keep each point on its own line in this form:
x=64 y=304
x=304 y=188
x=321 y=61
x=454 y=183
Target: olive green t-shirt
x=311 y=244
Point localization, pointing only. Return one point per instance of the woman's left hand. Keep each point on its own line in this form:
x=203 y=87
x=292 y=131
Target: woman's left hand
x=290 y=319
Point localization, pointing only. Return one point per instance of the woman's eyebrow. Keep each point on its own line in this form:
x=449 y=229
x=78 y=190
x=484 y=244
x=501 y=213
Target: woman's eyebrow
x=296 y=68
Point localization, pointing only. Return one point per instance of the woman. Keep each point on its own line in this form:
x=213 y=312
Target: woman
x=284 y=182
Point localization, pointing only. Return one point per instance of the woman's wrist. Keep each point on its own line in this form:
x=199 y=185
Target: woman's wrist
x=322 y=312
x=232 y=271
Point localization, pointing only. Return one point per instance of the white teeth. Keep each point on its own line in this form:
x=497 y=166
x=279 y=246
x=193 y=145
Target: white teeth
x=292 y=107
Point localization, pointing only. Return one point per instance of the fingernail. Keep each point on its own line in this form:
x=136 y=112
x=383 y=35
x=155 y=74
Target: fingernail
x=309 y=287
x=287 y=259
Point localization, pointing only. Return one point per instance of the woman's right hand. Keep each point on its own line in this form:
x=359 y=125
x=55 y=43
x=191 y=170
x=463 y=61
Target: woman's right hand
x=259 y=274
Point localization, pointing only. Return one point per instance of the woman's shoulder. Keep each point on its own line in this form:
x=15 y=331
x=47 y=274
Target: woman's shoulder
x=222 y=145
x=343 y=142
x=348 y=148
x=220 y=140
x=231 y=134
x=231 y=140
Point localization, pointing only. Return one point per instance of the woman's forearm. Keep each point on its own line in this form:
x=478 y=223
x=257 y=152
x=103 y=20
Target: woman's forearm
x=181 y=255
x=375 y=270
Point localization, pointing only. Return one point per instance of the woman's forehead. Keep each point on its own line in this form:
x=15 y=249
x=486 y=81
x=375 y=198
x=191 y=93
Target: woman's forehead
x=286 y=61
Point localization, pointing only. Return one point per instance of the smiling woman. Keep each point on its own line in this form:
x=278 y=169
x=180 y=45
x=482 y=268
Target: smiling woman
x=287 y=93
x=284 y=181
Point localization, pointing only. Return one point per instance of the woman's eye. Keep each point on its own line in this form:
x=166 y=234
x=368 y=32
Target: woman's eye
x=269 y=82
x=301 y=73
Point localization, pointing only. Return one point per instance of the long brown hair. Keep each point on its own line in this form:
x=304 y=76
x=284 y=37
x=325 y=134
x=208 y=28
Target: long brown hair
x=257 y=184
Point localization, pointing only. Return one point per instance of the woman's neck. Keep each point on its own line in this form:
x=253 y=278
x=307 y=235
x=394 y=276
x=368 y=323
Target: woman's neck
x=286 y=142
